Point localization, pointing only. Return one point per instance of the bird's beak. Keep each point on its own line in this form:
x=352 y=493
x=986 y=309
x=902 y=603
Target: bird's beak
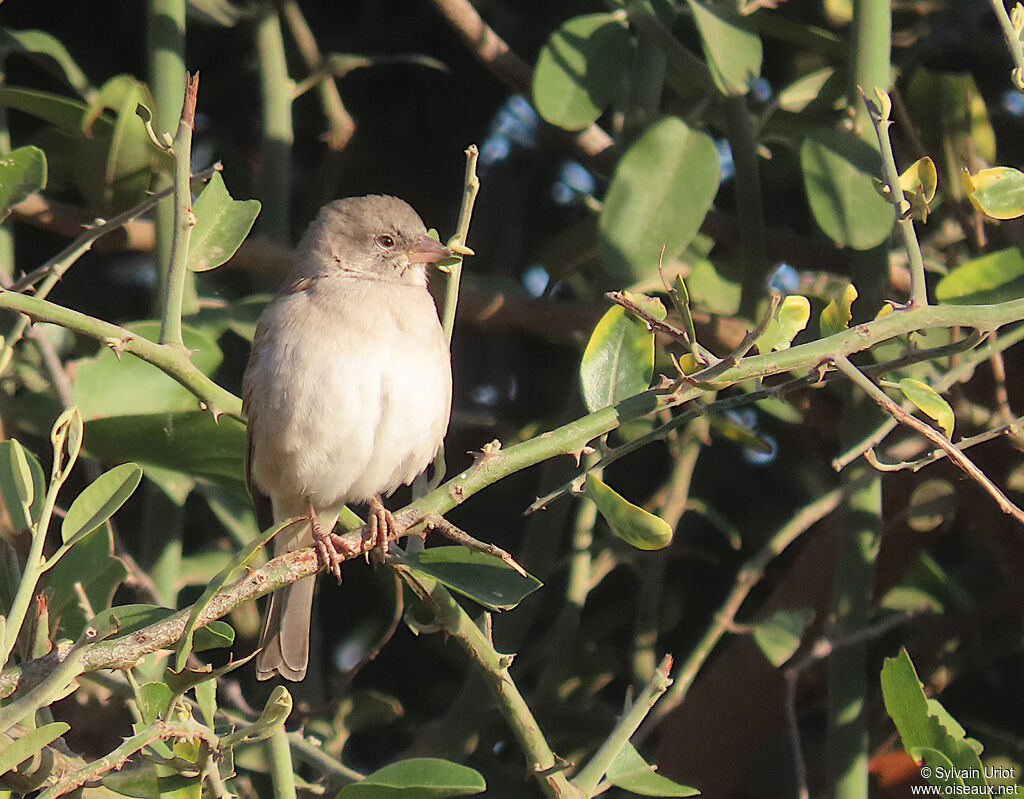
x=428 y=251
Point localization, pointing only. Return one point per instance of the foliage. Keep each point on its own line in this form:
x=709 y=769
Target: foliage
x=781 y=241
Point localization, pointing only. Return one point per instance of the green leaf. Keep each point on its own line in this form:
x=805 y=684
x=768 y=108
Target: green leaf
x=105 y=386
x=929 y=402
x=932 y=503
x=30 y=744
x=131 y=158
x=926 y=729
x=485 y=579
x=99 y=501
x=997 y=192
x=206 y=698
x=629 y=522
x=789 y=319
x=18 y=484
x=62 y=112
x=88 y=567
x=37 y=43
x=194 y=444
x=732 y=52
x=837 y=314
x=153 y=699
x=222 y=223
x=417 y=778
x=779 y=636
x=991 y=278
x=660 y=193
x=839 y=171
x=581 y=68
x=22 y=172
x=632 y=773
x=618 y=361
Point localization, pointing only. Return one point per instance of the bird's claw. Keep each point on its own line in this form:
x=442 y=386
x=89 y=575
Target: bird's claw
x=326 y=553
x=382 y=528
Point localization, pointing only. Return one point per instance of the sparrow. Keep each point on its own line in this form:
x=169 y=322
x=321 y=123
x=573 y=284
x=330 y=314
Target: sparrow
x=347 y=394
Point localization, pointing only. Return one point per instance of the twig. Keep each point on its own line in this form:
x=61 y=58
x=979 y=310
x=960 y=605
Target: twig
x=939 y=454
x=891 y=176
x=340 y=125
x=434 y=521
x=1002 y=396
x=495 y=54
x=184 y=219
x=590 y=775
x=470 y=188
x=844 y=365
x=960 y=373
x=1011 y=28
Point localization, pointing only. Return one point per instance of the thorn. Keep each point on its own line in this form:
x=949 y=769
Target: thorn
x=578 y=454
x=489 y=450
x=118 y=344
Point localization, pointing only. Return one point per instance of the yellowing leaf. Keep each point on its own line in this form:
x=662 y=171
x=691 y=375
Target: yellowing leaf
x=919 y=182
x=997 y=192
x=618 y=361
x=929 y=402
x=837 y=315
x=790 y=318
x=629 y=522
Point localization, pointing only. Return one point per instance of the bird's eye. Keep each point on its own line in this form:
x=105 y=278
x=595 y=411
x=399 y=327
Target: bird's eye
x=384 y=240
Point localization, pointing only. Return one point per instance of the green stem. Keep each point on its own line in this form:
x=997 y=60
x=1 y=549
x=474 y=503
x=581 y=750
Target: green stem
x=590 y=775
x=171 y=360
x=471 y=186
x=282 y=771
x=493 y=668
x=891 y=177
x=177 y=273
x=753 y=233
x=1013 y=42
x=166 y=45
x=872 y=29
x=275 y=160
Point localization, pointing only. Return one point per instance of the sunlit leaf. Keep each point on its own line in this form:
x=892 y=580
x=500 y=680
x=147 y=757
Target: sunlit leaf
x=837 y=314
x=618 y=361
x=789 y=319
x=660 y=193
x=417 y=778
x=222 y=223
x=632 y=773
x=18 y=486
x=994 y=277
x=919 y=182
x=629 y=522
x=733 y=53
x=997 y=192
x=88 y=569
x=929 y=402
x=580 y=69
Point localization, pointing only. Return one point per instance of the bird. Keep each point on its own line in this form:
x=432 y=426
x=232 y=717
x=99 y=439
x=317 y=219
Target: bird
x=347 y=394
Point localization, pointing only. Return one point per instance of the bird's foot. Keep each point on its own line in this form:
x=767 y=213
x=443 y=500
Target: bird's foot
x=326 y=552
x=383 y=527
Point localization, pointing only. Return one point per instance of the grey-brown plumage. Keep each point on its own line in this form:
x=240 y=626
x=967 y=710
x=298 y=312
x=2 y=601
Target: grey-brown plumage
x=347 y=391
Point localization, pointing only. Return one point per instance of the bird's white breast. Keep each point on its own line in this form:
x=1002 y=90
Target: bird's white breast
x=349 y=392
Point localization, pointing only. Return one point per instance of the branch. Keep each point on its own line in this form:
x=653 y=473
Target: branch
x=844 y=365
x=495 y=54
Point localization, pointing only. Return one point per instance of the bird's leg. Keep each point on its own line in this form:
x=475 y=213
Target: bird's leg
x=382 y=528
x=325 y=551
